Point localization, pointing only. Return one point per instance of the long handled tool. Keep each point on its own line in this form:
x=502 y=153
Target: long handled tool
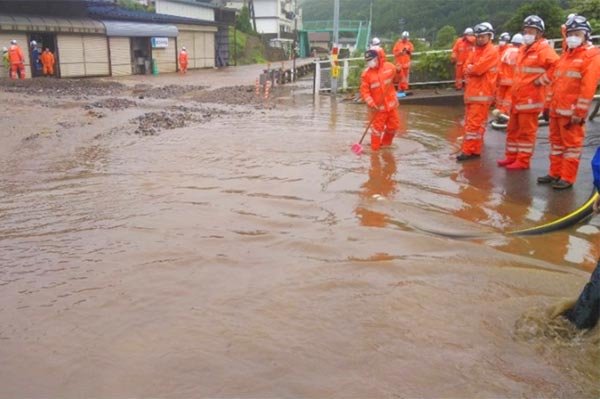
x=357 y=147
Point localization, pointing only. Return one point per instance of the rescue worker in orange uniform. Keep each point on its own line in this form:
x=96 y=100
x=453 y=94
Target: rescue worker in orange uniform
x=48 y=60
x=534 y=61
x=377 y=90
x=460 y=51
x=17 y=60
x=574 y=83
x=481 y=71
x=403 y=50
x=183 y=60
x=506 y=71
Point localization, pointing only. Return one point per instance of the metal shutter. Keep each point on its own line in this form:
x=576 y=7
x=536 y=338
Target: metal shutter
x=200 y=49
x=22 y=42
x=209 y=48
x=70 y=50
x=166 y=58
x=186 y=39
x=96 y=55
x=120 y=56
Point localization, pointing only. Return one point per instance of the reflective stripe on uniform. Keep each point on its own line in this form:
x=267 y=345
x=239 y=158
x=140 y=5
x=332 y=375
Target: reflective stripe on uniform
x=564 y=112
x=506 y=82
x=521 y=107
x=375 y=85
x=479 y=98
x=472 y=136
x=573 y=74
x=532 y=70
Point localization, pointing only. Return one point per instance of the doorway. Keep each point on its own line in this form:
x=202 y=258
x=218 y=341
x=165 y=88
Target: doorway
x=43 y=41
x=141 y=55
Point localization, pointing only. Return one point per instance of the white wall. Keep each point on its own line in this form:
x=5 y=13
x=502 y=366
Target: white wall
x=185 y=10
x=266 y=8
x=267 y=25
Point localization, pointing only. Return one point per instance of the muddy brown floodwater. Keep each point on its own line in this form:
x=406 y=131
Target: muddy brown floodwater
x=200 y=242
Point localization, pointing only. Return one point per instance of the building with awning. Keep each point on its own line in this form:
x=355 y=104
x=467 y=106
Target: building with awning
x=98 y=38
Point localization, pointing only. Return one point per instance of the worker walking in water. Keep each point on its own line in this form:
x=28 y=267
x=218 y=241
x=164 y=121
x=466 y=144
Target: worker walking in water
x=377 y=90
x=183 y=60
x=403 y=50
x=48 y=61
x=16 y=59
x=480 y=71
x=574 y=81
x=534 y=60
x=460 y=51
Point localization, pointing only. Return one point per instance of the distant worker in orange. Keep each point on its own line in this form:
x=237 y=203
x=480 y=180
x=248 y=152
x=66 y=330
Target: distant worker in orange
x=48 y=60
x=480 y=71
x=460 y=51
x=534 y=61
x=403 y=50
x=183 y=60
x=16 y=58
x=377 y=90
x=574 y=83
x=506 y=72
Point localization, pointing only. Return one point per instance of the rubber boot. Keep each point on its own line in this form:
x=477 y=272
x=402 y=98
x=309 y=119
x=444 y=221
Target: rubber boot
x=505 y=161
x=387 y=139
x=375 y=141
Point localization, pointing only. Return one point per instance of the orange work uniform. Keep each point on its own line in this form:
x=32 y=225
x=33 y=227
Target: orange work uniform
x=16 y=58
x=460 y=52
x=574 y=82
x=481 y=71
x=506 y=72
x=403 y=50
x=47 y=59
x=528 y=94
x=377 y=90
x=183 y=61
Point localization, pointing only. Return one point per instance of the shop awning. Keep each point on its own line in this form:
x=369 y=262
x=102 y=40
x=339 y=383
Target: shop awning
x=139 y=29
x=22 y=23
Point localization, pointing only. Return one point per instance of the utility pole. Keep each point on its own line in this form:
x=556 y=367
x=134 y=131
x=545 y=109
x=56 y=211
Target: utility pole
x=336 y=39
x=295 y=40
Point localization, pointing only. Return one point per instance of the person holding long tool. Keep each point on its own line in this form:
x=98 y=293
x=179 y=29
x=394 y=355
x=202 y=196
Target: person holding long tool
x=377 y=91
x=574 y=83
x=481 y=71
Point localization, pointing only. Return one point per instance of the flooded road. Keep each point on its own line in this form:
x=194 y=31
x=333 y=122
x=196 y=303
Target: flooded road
x=249 y=253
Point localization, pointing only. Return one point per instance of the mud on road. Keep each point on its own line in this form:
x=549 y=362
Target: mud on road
x=143 y=108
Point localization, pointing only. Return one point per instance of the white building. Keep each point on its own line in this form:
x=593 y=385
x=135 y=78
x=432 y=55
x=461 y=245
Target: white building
x=197 y=9
x=276 y=17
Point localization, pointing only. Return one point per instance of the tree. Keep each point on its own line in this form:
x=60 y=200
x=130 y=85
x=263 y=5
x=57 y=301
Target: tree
x=445 y=37
x=131 y=5
x=549 y=10
x=243 y=21
x=589 y=9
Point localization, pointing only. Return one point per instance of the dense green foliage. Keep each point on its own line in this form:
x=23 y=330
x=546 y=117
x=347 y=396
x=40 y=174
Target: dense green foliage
x=134 y=5
x=445 y=37
x=590 y=9
x=242 y=22
x=248 y=48
x=424 y=18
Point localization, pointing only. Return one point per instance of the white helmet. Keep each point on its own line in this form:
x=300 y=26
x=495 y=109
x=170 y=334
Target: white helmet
x=468 y=31
x=375 y=41
x=183 y=48
x=517 y=38
x=33 y=43
x=405 y=34
x=4 y=50
x=13 y=41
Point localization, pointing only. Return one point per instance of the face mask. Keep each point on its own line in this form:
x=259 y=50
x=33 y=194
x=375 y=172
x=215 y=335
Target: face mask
x=574 y=41
x=528 y=39
x=372 y=64
x=502 y=43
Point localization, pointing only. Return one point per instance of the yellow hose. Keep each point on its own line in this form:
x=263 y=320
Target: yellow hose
x=566 y=221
